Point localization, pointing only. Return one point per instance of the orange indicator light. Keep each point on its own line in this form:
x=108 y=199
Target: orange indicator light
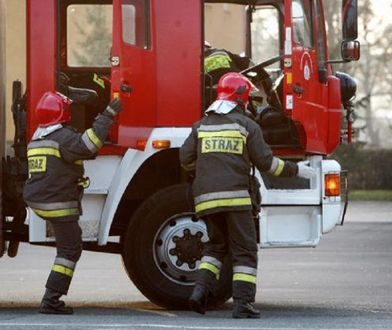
x=332 y=184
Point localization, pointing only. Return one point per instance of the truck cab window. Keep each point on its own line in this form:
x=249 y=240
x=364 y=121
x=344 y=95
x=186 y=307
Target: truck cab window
x=302 y=23
x=89 y=35
x=265 y=34
x=135 y=22
x=321 y=41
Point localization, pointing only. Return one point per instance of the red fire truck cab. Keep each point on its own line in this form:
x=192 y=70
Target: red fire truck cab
x=150 y=54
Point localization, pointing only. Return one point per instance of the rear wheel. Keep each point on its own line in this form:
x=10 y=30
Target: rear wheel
x=163 y=247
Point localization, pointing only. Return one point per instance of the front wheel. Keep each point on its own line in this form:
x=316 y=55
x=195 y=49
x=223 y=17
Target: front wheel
x=163 y=248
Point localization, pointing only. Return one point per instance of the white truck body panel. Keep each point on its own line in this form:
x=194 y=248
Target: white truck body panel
x=289 y=217
x=299 y=217
x=131 y=162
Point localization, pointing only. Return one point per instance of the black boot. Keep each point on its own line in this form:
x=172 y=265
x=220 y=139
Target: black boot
x=244 y=310
x=51 y=304
x=198 y=299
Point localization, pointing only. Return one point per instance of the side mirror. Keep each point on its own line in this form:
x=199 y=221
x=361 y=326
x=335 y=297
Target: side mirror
x=350 y=19
x=351 y=50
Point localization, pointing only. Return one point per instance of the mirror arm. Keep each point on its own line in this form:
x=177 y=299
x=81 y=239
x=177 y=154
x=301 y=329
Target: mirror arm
x=337 y=61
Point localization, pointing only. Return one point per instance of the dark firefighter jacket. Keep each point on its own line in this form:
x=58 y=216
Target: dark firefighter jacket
x=53 y=189
x=220 y=148
x=217 y=62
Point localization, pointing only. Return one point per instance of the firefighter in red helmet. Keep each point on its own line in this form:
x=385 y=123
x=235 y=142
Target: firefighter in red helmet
x=55 y=185
x=221 y=148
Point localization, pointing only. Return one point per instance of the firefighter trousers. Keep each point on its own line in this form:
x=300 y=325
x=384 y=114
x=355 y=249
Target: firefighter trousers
x=232 y=232
x=68 y=236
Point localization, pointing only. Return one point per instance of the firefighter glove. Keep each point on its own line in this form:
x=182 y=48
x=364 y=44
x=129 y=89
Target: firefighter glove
x=113 y=108
x=305 y=171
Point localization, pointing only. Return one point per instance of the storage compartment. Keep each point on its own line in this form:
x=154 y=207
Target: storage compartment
x=290 y=226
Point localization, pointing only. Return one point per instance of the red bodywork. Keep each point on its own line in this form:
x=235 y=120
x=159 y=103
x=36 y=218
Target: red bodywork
x=165 y=78
x=41 y=54
x=166 y=75
x=316 y=104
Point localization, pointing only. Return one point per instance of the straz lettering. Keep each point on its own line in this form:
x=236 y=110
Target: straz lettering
x=230 y=145
x=37 y=164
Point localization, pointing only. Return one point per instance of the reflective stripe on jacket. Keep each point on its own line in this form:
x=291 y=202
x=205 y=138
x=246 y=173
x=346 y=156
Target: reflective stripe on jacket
x=221 y=148
x=55 y=165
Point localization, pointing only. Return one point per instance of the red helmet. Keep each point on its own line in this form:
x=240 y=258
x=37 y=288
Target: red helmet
x=53 y=108
x=234 y=87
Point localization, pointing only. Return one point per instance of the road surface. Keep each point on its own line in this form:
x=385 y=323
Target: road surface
x=344 y=283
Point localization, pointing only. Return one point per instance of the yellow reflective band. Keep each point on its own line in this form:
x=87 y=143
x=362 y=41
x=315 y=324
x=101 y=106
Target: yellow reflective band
x=212 y=268
x=222 y=203
x=83 y=182
x=43 y=151
x=94 y=138
x=99 y=81
x=37 y=164
x=215 y=62
x=78 y=162
x=244 y=278
x=229 y=133
x=279 y=168
x=57 y=213
x=225 y=144
x=62 y=270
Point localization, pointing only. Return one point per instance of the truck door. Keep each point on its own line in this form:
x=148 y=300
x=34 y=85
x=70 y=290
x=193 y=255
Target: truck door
x=156 y=65
x=2 y=116
x=309 y=74
x=133 y=63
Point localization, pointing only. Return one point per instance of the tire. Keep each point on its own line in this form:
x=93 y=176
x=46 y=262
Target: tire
x=162 y=249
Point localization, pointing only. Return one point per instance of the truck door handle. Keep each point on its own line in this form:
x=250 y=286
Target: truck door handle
x=298 y=89
x=126 y=88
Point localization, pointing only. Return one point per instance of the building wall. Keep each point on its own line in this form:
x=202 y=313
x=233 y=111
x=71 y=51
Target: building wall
x=2 y=73
x=2 y=103
x=15 y=54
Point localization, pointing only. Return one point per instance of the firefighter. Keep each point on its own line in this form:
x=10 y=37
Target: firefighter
x=221 y=148
x=217 y=62
x=55 y=185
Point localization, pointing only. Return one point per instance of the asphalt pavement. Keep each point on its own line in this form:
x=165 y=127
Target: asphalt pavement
x=344 y=283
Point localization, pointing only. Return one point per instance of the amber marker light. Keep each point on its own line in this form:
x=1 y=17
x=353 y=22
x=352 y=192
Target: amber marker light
x=161 y=144
x=332 y=184
x=141 y=144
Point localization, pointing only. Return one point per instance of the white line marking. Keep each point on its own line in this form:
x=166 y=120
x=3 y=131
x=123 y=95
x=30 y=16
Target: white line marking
x=161 y=313
x=166 y=326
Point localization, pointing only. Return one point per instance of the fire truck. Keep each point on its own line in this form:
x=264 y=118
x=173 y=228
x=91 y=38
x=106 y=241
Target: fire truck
x=150 y=53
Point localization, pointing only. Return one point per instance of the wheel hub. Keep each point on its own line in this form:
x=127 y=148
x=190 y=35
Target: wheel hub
x=178 y=247
x=188 y=248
